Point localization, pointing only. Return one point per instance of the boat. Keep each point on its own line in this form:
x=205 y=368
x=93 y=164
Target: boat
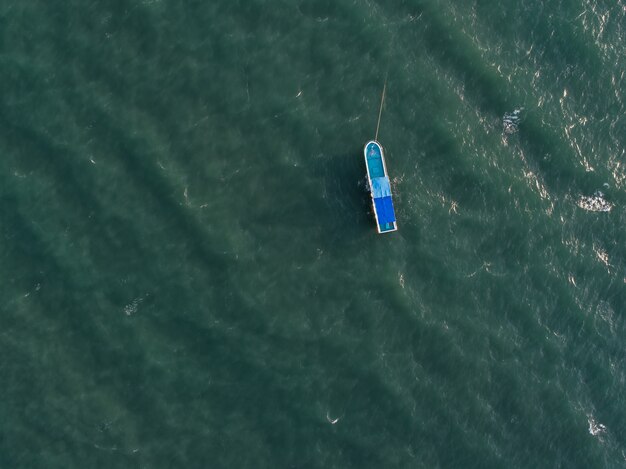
x=380 y=188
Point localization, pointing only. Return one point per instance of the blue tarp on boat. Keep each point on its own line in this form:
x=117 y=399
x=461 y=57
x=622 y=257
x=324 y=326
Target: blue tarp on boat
x=384 y=210
x=381 y=187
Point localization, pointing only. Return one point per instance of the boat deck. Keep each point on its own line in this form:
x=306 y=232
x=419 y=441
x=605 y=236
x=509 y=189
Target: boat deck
x=375 y=167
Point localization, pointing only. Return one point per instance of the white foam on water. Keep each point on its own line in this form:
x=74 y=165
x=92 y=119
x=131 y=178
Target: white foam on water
x=602 y=255
x=132 y=307
x=595 y=428
x=594 y=203
x=332 y=421
x=604 y=319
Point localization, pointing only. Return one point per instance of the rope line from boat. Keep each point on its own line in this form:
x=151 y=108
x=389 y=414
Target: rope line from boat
x=382 y=97
x=380 y=111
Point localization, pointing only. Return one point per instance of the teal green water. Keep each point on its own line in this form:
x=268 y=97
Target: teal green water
x=191 y=275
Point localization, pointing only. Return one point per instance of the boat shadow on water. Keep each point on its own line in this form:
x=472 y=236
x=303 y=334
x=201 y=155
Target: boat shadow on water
x=345 y=194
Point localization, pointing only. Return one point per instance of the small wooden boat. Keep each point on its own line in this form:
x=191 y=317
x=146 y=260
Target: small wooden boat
x=380 y=188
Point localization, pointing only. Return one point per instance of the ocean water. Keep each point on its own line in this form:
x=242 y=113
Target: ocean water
x=191 y=276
